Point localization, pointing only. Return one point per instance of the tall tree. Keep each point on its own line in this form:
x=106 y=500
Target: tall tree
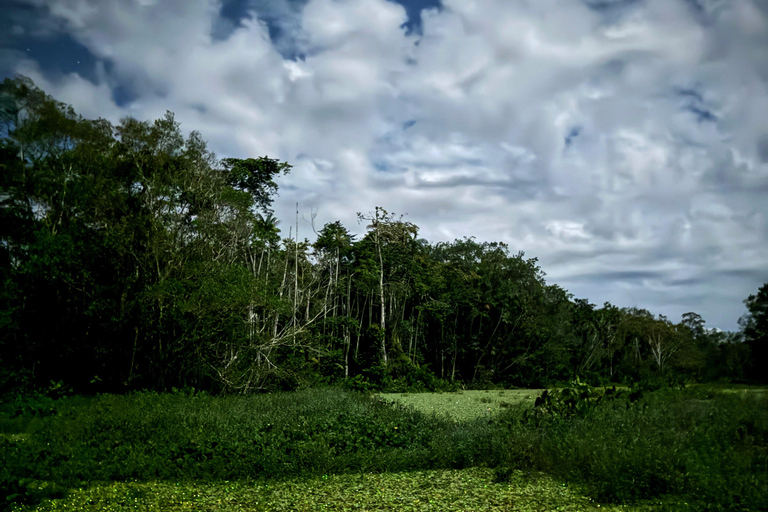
x=755 y=328
x=115 y=240
x=387 y=233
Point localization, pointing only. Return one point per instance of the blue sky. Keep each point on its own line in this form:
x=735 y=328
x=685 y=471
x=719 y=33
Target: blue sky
x=621 y=142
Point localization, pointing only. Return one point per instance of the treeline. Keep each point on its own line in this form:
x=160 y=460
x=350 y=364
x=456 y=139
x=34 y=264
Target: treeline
x=131 y=258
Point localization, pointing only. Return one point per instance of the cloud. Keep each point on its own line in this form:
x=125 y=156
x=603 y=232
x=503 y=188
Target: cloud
x=623 y=143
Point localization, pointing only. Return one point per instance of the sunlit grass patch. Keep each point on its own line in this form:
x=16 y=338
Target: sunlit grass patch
x=443 y=490
x=467 y=405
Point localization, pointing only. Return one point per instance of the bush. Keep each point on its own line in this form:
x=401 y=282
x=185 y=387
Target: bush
x=399 y=376
x=577 y=399
x=146 y=436
x=711 y=452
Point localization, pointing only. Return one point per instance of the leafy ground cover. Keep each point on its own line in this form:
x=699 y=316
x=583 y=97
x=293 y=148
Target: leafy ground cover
x=440 y=490
x=693 y=449
x=466 y=405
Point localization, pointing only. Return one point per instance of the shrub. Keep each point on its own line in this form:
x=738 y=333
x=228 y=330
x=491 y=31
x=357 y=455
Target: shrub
x=146 y=435
x=710 y=452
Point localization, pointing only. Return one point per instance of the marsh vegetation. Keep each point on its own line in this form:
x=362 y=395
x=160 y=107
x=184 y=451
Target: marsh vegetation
x=695 y=449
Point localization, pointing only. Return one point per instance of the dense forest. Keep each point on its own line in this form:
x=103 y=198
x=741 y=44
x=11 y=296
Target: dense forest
x=132 y=258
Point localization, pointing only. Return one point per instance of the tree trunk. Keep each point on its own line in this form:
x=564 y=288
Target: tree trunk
x=282 y=287
x=383 y=305
x=296 y=275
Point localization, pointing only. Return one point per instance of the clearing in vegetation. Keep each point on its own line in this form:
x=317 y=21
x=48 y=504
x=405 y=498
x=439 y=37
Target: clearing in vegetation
x=467 y=405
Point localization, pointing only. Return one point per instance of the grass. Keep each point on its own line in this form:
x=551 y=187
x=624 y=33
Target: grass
x=466 y=405
x=672 y=450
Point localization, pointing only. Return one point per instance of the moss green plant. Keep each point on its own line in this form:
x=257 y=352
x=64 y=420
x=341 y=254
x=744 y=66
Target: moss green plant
x=441 y=490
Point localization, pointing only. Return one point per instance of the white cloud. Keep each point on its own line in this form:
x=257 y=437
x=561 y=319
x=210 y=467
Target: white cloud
x=622 y=143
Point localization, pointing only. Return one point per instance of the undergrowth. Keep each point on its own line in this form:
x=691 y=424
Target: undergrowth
x=697 y=450
x=150 y=436
x=693 y=450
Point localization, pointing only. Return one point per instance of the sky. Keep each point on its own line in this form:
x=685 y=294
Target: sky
x=623 y=143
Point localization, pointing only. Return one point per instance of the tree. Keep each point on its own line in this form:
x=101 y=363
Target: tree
x=663 y=340
x=57 y=202
x=126 y=252
x=256 y=176
x=695 y=323
x=130 y=253
x=585 y=323
x=695 y=346
x=754 y=325
x=333 y=248
x=386 y=232
x=633 y=329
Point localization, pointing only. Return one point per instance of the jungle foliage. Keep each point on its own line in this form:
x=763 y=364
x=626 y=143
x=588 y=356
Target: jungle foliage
x=132 y=258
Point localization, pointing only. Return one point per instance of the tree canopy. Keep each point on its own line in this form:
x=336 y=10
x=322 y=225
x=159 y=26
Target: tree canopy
x=131 y=257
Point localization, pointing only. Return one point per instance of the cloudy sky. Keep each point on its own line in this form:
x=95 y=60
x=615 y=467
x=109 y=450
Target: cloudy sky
x=624 y=143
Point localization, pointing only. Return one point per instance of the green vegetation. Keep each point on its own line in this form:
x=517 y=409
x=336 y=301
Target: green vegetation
x=150 y=313
x=132 y=258
x=441 y=490
x=687 y=449
x=177 y=436
x=466 y=405
x=703 y=448
x=698 y=447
